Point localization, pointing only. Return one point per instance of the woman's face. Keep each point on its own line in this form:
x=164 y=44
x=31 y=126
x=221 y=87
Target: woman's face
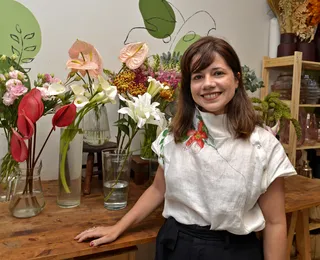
x=213 y=87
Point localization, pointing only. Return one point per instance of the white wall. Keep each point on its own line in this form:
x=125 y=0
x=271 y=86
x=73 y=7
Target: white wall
x=105 y=24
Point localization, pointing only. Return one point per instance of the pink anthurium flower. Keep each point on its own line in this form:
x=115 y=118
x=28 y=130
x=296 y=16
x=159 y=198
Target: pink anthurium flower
x=134 y=54
x=64 y=116
x=84 y=57
x=25 y=125
x=18 y=147
x=31 y=105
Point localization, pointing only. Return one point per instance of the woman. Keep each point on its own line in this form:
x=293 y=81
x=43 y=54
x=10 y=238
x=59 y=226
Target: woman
x=220 y=174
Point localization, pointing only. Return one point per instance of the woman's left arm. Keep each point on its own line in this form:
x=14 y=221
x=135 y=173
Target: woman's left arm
x=275 y=232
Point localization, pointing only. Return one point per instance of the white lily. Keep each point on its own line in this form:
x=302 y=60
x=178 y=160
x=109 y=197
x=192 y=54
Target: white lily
x=56 y=89
x=154 y=86
x=80 y=101
x=141 y=110
x=77 y=89
x=109 y=91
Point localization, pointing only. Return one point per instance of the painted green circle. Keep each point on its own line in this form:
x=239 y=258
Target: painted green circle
x=19 y=30
x=186 y=41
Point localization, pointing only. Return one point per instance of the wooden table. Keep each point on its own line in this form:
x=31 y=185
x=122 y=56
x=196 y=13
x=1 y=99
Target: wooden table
x=301 y=194
x=50 y=234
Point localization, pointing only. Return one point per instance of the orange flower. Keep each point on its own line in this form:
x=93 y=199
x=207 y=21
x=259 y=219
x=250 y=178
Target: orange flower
x=134 y=54
x=84 y=57
x=313 y=7
x=197 y=136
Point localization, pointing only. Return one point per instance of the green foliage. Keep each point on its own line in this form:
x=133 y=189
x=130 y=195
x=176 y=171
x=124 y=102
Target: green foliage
x=272 y=109
x=250 y=80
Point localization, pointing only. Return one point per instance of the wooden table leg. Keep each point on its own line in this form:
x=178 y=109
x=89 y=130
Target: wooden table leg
x=292 y=222
x=89 y=173
x=303 y=235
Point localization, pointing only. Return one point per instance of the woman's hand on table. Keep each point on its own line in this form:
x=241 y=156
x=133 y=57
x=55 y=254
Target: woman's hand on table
x=103 y=234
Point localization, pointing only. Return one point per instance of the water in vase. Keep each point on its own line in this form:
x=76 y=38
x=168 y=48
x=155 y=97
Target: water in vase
x=119 y=196
x=72 y=199
x=96 y=137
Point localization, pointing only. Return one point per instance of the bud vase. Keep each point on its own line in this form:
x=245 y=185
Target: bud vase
x=27 y=199
x=70 y=168
x=96 y=131
x=116 y=175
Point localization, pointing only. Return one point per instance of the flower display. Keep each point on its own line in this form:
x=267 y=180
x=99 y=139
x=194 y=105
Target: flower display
x=89 y=90
x=156 y=78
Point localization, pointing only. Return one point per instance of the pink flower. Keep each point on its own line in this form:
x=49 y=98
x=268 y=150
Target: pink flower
x=47 y=77
x=16 y=74
x=12 y=82
x=134 y=54
x=8 y=99
x=83 y=56
x=18 y=90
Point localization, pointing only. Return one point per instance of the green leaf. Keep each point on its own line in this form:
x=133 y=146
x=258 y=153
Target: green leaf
x=30 y=48
x=15 y=51
x=124 y=129
x=29 y=36
x=18 y=29
x=27 y=60
x=15 y=38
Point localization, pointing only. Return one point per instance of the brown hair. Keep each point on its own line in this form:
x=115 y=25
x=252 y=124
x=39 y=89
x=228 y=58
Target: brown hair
x=241 y=116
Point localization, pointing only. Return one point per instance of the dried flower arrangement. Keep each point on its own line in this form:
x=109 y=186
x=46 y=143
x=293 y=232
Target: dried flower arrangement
x=300 y=17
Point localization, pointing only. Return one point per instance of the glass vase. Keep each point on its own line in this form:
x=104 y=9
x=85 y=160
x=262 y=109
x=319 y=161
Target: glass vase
x=116 y=175
x=70 y=168
x=27 y=199
x=96 y=126
x=150 y=135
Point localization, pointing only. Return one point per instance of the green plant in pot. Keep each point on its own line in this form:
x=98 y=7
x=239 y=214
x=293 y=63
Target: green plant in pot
x=272 y=110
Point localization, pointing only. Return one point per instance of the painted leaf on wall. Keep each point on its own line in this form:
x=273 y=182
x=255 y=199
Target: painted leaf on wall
x=20 y=31
x=158 y=16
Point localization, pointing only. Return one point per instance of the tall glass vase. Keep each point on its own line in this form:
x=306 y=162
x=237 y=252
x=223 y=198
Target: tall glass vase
x=70 y=168
x=27 y=199
x=96 y=126
x=116 y=175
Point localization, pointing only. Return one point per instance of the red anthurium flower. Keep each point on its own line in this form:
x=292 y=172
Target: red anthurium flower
x=25 y=126
x=64 y=116
x=197 y=136
x=32 y=105
x=19 y=150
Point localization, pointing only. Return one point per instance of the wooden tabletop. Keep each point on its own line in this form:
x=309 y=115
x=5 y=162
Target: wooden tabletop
x=50 y=234
x=301 y=193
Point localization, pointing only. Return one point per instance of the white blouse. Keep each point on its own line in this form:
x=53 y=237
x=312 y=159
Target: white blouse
x=213 y=179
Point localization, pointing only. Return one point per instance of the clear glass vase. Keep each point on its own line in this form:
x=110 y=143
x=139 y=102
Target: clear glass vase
x=27 y=199
x=116 y=176
x=96 y=126
x=70 y=168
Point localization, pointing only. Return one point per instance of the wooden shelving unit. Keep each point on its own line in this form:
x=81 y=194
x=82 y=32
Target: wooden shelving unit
x=297 y=65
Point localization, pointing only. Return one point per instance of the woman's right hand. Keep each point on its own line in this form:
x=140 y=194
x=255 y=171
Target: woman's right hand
x=103 y=234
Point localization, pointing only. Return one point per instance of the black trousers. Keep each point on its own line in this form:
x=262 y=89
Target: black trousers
x=176 y=241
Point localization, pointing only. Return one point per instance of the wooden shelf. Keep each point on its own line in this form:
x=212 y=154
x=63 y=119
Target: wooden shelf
x=314 y=225
x=303 y=147
x=289 y=61
x=309 y=105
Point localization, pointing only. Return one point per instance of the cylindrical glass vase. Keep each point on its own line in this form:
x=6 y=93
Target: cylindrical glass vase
x=70 y=168
x=116 y=175
x=27 y=199
x=96 y=126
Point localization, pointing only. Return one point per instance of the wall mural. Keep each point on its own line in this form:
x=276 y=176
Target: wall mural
x=164 y=21
x=20 y=32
